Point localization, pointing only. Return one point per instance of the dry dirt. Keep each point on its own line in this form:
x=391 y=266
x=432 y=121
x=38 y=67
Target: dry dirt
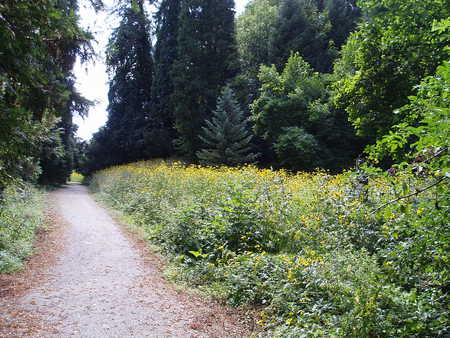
x=90 y=279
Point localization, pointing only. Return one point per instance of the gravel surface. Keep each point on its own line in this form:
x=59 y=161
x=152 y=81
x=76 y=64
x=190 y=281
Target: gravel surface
x=101 y=285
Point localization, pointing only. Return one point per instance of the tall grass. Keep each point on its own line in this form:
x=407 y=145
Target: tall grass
x=21 y=213
x=308 y=248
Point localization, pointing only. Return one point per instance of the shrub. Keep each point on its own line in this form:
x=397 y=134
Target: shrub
x=20 y=216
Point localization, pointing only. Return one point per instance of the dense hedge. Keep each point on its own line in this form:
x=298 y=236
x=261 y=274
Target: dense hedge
x=311 y=249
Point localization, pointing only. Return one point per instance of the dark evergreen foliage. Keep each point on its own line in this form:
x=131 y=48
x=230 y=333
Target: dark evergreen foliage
x=343 y=16
x=302 y=28
x=206 y=59
x=130 y=66
x=315 y=29
x=165 y=54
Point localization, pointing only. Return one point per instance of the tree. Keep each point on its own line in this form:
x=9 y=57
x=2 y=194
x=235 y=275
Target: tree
x=226 y=137
x=270 y=30
x=164 y=56
x=98 y=152
x=294 y=116
x=393 y=50
x=130 y=67
x=39 y=44
x=423 y=136
x=254 y=30
x=343 y=16
x=206 y=59
x=297 y=149
x=303 y=28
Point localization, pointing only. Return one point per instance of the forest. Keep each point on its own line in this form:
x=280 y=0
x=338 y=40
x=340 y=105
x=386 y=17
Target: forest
x=294 y=157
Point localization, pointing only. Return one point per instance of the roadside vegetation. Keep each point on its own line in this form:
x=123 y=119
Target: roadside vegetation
x=293 y=85
x=321 y=254
x=21 y=214
x=76 y=177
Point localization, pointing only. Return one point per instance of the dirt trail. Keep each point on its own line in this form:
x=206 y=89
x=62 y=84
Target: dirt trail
x=100 y=286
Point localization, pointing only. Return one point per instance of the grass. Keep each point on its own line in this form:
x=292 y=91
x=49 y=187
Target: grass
x=308 y=248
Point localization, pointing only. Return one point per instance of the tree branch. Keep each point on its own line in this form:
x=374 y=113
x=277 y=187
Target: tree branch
x=417 y=192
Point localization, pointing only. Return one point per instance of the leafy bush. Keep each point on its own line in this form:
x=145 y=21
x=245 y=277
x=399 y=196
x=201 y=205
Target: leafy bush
x=20 y=215
x=322 y=255
x=297 y=149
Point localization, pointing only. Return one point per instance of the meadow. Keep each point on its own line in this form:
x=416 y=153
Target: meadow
x=318 y=254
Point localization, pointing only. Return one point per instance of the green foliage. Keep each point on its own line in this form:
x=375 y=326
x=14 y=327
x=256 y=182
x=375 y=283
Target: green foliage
x=294 y=117
x=424 y=136
x=297 y=149
x=393 y=50
x=254 y=29
x=226 y=137
x=54 y=161
x=285 y=97
x=20 y=216
x=39 y=42
x=270 y=30
x=321 y=255
x=76 y=177
x=206 y=60
x=133 y=128
x=130 y=67
x=164 y=56
x=301 y=28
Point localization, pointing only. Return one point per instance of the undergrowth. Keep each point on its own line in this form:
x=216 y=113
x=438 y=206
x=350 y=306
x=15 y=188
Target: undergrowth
x=312 y=250
x=21 y=213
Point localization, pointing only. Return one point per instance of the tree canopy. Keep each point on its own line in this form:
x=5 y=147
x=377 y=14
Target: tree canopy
x=39 y=44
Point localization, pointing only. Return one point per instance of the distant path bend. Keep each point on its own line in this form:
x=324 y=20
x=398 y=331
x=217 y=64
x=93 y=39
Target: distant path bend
x=100 y=285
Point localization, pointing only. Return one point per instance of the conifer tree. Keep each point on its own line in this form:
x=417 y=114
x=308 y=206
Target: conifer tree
x=206 y=59
x=130 y=67
x=165 y=54
x=226 y=137
x=302 y=28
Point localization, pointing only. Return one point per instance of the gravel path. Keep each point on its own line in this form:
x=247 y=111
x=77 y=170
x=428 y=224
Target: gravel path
x=101 y=286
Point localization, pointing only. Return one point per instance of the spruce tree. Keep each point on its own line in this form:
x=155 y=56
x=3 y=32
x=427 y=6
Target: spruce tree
x=206 y=59
x=130 y=67
x=226 y=138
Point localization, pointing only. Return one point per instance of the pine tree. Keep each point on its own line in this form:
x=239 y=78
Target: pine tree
x=206 y=59
x=226 y=137
x=130 y=66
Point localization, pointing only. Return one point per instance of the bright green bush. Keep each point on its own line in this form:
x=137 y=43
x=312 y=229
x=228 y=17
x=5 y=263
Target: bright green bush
x=315 y=251
x=20 y=215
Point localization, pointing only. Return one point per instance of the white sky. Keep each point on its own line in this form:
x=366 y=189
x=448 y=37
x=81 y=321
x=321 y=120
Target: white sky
x=92 y=78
